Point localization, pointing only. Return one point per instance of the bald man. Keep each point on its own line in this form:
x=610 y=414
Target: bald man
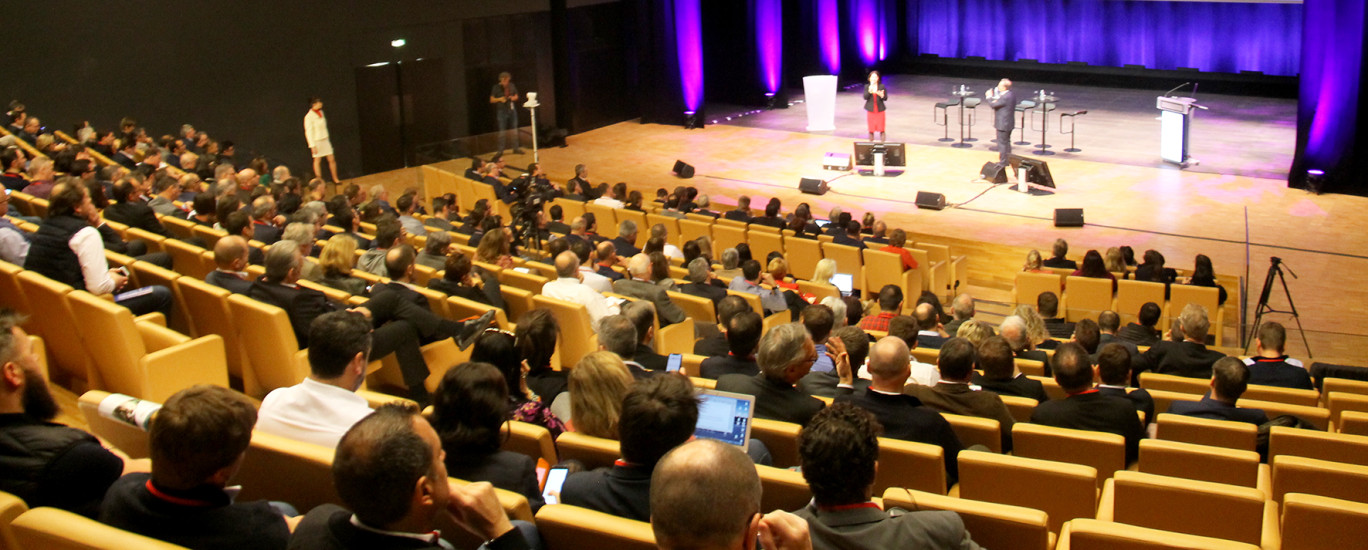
x=230 y=255
x=569 y=286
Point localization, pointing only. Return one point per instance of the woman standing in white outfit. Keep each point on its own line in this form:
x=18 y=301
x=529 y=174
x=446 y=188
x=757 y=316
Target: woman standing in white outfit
x=316 y=133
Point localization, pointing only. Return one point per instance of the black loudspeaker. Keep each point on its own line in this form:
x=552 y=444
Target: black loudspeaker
x=812 y=186
x=683 y=169
x=1068 y=217
x=1037 y=171
x=934 y=201
x=994 y=172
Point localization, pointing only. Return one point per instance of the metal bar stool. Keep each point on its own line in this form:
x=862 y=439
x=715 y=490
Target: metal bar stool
x=944 y=107
x=971 y=103
x=1071 y=132
x=1044 y=110
x=1022 y=107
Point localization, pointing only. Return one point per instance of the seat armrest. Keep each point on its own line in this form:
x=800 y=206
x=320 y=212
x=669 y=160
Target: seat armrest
x=198 y=361
x=1106 y=506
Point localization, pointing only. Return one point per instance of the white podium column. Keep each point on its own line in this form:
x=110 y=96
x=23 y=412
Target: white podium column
x=820 y=98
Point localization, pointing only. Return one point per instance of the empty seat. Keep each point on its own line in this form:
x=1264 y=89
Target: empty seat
x=1064 y=491
x=566 y=527
x=1087 y=297
x=1350 y=449
x=1091 y=534
x=1311 y=522
x=594 y=452
x=52 y=529
x=1296 y=474
x=763 y=242
x=1174 y=383
x=207 y=306
x=1187 y=506
x=53 y=322
x=1316 y=416
x=1204 y=463
x=992 y=525
x=1104 y=452
x=802 y=255
x=1352 y=423
x=726 y=236
x=910 y=465
x=1217 y=433
x=782 y=489
x=1340 y=402
x=1290 y=396
x=701 y=310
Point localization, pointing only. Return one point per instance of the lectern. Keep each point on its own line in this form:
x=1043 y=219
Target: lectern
x=1175 y=116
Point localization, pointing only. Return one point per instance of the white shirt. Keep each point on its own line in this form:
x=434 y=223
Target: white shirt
x=924 y=374
x=595 y=281
x=315 y=127
x=571 y=290
x=312 y=412
x=672 y=251
x=90 y=251
x=13 y=246
x=609 y=201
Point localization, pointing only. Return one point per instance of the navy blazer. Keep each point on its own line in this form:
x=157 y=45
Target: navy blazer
x=1097 y=412
x=1180 y=358
x=774 y=399
x=623 y=491
x=1218 y=410
x=717 y=366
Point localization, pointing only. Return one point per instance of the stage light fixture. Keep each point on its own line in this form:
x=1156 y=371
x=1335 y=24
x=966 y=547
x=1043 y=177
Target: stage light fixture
x=398 y=43
x=1315 y=180
x=691 y=120
x=770 y=100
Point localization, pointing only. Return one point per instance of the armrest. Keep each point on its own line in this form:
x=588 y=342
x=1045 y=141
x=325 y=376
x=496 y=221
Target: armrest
x=155 y=317
x=156 y=336
x=1271 y=539
x=199 y=361
x=375 y=399
x=1106 y=506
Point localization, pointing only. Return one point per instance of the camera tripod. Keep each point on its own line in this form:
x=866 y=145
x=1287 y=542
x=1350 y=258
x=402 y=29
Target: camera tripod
x=1276 y=270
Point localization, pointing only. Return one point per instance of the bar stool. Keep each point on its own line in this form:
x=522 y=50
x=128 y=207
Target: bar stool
x=971 y=103
x=944 y=107
x=1022 y=107
x=1072 y=129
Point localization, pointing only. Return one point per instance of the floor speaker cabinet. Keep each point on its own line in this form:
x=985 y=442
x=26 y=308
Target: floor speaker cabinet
x=812 y=186
x=927 y=199
x=683 y=169
x=994 y=172
x=1068 y=217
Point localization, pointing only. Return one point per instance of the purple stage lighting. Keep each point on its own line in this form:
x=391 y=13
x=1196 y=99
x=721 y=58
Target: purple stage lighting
x=689 y=42
x=869 y=29
x=769 y=41
x=829 y=33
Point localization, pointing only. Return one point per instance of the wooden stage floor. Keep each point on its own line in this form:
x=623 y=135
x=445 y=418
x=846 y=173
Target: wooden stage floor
x=1179 y=212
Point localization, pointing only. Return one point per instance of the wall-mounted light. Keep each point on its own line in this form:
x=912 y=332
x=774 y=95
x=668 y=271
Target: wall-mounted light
x=398 y=42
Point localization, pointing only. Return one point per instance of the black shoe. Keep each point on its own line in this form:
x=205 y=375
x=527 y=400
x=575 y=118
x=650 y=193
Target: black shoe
x=472 y=329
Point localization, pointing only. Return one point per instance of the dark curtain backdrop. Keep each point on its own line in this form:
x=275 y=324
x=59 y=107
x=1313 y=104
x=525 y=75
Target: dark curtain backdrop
x=661 y=98
x=1210 y=36
x=1330 y=112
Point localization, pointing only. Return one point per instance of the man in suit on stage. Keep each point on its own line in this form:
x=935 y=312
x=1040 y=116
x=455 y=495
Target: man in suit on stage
x=1003 y=101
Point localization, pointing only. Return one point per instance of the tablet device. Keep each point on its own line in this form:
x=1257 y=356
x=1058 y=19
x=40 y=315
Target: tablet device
x=725 y=416
x=844 y=282
x=554 y=480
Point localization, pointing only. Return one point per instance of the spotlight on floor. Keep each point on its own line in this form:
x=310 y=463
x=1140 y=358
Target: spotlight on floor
x=770 y=100
x=692 y=120
x=1315 y=180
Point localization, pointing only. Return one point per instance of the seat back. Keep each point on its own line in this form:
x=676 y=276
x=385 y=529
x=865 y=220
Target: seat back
x=594 y=452
x=1064 y=491
x=279 y=468
x=781 y=438
x=1315 y=415
x=112 y=342
x=1289 y=396
x=1163 y=399
x=531 y=440
x=763 y=242
x=1029 y=286
x=577 y=337
x=701 y=310
x=1352 y=423
x=1216 y=433
x=1130 y=295
x=187 y=258
x=802 y=256
x=130 y=439
x=910 y=465
x=519 y=301
x=1199 y=462
x=566 y=527
x=1296 y=474
x=10 y=507
x=1091 y=534
x=1330 y=385
x=1104 y=452
x=1311 y=522
x=728 y=236
x=782 y=489
x=973 y=430
x=54 y=529
x=209 y=235
x=207 y=306
x=821 y=291
x=54 y=322
x=11 y=294
x=752 y=299
x=1340 y=402
x=690 y=230
x=527 y=281
x=273 y=344
x=1185 y=506
x=1087 y=297
x=181 y=228
x=671 y=223
x=992 y=525
x=1020 y=407
x=606 y=216
x=848 y=260
x=1350 y=449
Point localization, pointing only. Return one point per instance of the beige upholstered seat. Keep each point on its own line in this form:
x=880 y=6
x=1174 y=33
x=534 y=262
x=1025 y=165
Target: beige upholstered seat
x=1064 y=491
x=1189 y=506
x=566 y=527
x=594 y=452
x=1311 y=522
x=52 y=529
x=991 y=525
x=1204 y=463
x=1217 y=433
x=1091 y=534
x=911 y=465
x=1104 y=452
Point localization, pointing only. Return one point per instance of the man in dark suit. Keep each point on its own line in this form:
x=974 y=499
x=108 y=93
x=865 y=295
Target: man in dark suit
x=954 y=395
x=903 y=416
x=1003 y=101
x=263 y=220
x=1113 y=375
x=839 y=452
x=640 y=286
x=1058 y=260
x=785 y=356
x=743 y=331
x=742 y=211
x=1272 y=367
x=1143 y=332
x=713 y=345
x=1086 y=408
x=1229 y=380
x=1000 y=374
x=240 y=224
x=130 y=210
x=1047 y=303
x=442 y=209
x=700 y=282
x=557 y=223
x=399 y=262
x=825 y=383
x=642 y=315
x=399 y=325
x=387 y=510
x=1189 y=357
x=658 y=414
x=930 y=333
x=625 y=242
x=851 y=236
x=230 y=255
x=1108 y=322
x=476 y=167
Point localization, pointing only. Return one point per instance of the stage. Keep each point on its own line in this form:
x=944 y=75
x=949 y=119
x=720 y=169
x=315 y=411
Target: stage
x=1129 y=196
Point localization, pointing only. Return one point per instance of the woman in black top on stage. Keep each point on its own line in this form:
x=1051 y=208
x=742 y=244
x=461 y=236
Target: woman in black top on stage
x=874 y=96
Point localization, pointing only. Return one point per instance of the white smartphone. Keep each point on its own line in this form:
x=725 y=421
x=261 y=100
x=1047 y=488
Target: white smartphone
x=554 y=479
x=674 y=362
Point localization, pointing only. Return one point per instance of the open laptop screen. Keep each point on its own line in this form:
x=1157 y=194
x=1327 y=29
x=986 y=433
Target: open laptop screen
x=725 y=417
x=844 y=282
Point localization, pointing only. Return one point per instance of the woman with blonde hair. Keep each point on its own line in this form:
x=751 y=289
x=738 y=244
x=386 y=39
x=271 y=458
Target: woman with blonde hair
x=975 y=331
x=337 y=260
x=825 y=269
x=598 y=383
x=1035 y=326
x=1034 y=264
x=494 y=249
x=1116 y=262
x=779 y=268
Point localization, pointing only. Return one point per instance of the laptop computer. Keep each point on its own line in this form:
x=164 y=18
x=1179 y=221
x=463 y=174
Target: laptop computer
x=844 y=282
x=725 y=417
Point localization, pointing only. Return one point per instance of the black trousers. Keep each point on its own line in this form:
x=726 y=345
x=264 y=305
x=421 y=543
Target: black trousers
x=1004 y=141
x=400 y=328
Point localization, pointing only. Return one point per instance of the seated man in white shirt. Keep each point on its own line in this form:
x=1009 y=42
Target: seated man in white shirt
x=587 y=256
x=569 y=286
x=671 y=251
x=325 y=405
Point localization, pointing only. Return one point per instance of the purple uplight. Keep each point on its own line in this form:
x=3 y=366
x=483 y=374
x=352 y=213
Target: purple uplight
x=689 y=43
x=868 y=29
x=769 y=41
x=829 y=33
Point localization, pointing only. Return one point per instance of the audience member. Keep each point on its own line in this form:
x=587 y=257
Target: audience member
x=851 y=236
x=1087 y=408
x=1272 y=367
x=337 y=260
x=1153 y=270
x=499 y=348
x=1094 y=267
x=625 y=242
x=1034 y=264
x=1229 y=379
x=1189 y=357
x=890 y=303
x=905 y=327
x=1000 y=374
x=598 y=385
x=825 y=383
x=643 y=317
x=897 y=244
x=713 y=346
x=701 y=280
x=1143 y=332
x=930 y=332
x=1060 y=250
x=1047 y=304
x=962 y=309
x=749 y=282
x=469 y=410
x=568 y=286
x=1108 y=323
x=785 y=355
x=536 y=336
x=230 y=257
x=129 y=209
x=1036 y=330
x=641 y=287
x=325 y=405
x=1114 y=375
x=819 y=319
x=1204 y=275
x=955 y=395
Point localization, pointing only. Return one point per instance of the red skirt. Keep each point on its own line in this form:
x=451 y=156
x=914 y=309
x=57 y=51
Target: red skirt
x=875 y=120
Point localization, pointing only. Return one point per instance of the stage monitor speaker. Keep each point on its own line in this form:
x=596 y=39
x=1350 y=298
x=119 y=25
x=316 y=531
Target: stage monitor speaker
x=994 y=172
x=683 y=169
x=934 y=201
x=812 y=186
x=1037 y=171
x=1068 y=217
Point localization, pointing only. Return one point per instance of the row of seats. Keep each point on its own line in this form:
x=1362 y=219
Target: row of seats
x=1085 y=297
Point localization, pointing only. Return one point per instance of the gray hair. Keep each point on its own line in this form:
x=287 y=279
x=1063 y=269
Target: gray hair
x=698 y=270
x=299 y=232
x=437 y=241
x=618 y=334
x=1195 y=322
x=730 y=257
x=702 y=201
x=963 y=306
x=658 y=230
x=780 y=347
x=838 y=309
x=627 y=228
x=281 y=257
x=1013 y=329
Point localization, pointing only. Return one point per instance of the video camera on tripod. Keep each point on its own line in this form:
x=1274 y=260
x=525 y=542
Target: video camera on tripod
x=528 y=195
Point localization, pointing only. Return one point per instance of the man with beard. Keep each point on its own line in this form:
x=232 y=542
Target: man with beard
x=44 y=463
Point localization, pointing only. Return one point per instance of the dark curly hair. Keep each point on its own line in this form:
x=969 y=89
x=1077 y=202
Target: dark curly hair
x=839 y=447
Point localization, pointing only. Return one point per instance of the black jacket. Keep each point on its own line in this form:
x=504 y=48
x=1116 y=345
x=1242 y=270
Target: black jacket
x=775 y=400
x=1094 y=411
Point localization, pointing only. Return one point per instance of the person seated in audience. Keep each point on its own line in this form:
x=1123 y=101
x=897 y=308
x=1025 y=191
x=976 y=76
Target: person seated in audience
x=14 y=242
x=197 y=441
x=878 y=233
x=435 y=250
x=851 y=236
x=476 y=167
x=721 y=490
x=615 y=197
x=1000 y=374
x=500 y=349
x=325 y=405
x=954 y=394
x=588 y=275
x=786 y=354
x=406 y=206
x=557 y=222
x=1204 y=275
x=469 y=410
x=800 y=223
x=742 y=211
x=1229 y=380
x=399 y=269
x=714 y=344
x=536 y=336
x=128 y=151
x=643 y=317
x=264 y=219
x=1087 y=334
x=462 y=279
x=625 y=242
x=607 y=258
x=1153 y=270
x=641 y=287
x=569 y=287
x=840 y=456
x=1087 y=408
x=443 y=209
x=41 y=178
x=1036 y=331
x=819 y=320
x=68 y=248
x=749 y=282
x=347 y=219
x=47 y=464
x=496 y=248
x=660 y=266
x=337 y=259
x=1115 y=262
x=1058 y=260
x=1034 y=263
x=1143 y=331
x=230 y=256
x=591 y=229
x=619 y=334
x=890 y=303
x=771 y=217
x=700 y=283
x=906 y=328
x=1094 y=267
x=1114 y=375
x=1188 y=357
x=1017 y=334
x=168 y=190
x=1047 y=304
x=387 y=234
x=930 y=332
x=701 y=206
x=598 y=385
x=836 y=221
x=824 y=384
x=975 y=332
x=1108 y=324
x=962 y=309
x=658 y=414
x=128 y=209
x=743 y=328
x=1272 y=367
x=13 y=161
x=474 y=218
x=390 y=471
